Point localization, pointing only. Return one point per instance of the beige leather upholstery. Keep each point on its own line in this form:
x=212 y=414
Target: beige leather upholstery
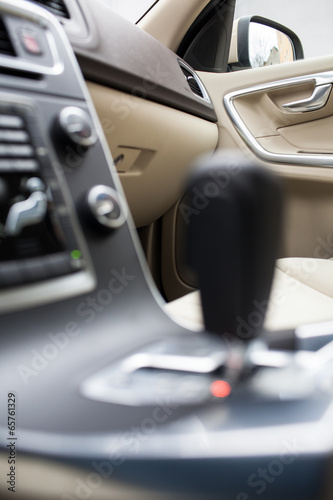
x=156 y=144
x=302 y=293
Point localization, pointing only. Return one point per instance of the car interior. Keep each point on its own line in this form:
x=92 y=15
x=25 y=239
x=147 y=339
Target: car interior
x=166 y=254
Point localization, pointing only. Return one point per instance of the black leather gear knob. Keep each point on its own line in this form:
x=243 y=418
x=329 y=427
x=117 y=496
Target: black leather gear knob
x=234 y=212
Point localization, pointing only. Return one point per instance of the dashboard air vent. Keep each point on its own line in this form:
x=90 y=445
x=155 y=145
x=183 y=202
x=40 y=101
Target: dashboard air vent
x=16 y=150
x=56 y=7
x=192 y=81
x=6 y=46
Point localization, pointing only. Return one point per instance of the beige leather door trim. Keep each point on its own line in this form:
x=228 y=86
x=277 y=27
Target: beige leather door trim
x=275 y=150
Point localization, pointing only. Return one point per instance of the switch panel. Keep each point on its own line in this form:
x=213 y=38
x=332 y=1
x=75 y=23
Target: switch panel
x=37 y=240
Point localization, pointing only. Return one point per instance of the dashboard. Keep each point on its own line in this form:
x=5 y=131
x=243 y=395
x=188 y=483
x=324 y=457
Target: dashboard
x=155 y=112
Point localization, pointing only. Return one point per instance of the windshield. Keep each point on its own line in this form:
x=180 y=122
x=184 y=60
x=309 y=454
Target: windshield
x=132 y=10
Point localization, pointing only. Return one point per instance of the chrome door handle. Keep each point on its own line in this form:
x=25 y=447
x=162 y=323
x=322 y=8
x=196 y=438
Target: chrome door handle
x=315 y=102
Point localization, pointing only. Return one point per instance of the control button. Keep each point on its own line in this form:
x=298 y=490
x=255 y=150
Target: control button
x=76 y=124
x=104 y=205
x=30 y=42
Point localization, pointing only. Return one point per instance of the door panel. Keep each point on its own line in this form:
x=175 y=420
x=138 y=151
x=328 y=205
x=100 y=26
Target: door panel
x=296 y=145
x=266 y=115
x=310 y=137
x=308 y=221
x=262 y=92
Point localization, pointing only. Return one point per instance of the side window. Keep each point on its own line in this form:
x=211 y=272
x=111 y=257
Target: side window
x=311 y=21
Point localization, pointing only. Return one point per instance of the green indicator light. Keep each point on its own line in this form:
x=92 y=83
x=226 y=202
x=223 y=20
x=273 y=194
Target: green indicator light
x=76 y=254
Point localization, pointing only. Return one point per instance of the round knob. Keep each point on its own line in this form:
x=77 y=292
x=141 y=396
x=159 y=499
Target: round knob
x=77 y=125
x=34 y=184
x=105 y=207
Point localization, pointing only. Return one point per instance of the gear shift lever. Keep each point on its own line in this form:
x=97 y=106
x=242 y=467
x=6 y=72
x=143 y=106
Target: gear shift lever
x=233 y=237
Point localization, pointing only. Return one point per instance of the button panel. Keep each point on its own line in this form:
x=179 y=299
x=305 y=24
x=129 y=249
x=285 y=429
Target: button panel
x=37 y=240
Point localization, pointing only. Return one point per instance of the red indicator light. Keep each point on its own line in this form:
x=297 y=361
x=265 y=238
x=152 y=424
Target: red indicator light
x=220 y=389
x=30 y=43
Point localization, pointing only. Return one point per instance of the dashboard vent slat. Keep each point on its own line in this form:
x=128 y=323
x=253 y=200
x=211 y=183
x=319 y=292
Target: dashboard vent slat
x=194 y=86
x=6 y=46
x=192 y=81
x=56 y=7
x=16 y=150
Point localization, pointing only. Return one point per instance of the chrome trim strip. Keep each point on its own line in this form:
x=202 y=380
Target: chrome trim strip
x=191 y=364
x=314 y=160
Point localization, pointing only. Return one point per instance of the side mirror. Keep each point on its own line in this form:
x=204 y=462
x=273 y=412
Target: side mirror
x=257 y=42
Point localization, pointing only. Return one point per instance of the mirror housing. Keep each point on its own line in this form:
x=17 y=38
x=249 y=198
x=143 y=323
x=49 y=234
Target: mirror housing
x=257 y=42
